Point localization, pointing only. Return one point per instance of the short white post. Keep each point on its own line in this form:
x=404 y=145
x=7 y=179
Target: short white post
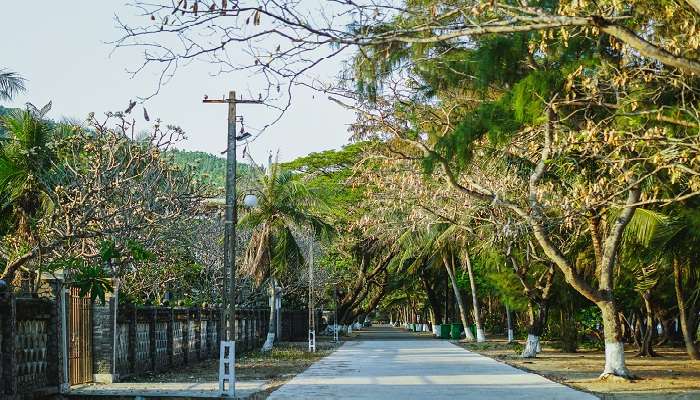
x=227 y=368
x=312 y=341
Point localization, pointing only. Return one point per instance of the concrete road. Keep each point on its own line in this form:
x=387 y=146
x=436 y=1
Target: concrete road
x=386 y=332
x=418 y=369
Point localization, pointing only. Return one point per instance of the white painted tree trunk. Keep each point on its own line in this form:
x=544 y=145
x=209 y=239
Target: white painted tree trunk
x=269 y=342
x=615 y=361
x=509 y=325
x=531 y=346
x=614 y=348
x=480 y=337
x=458 y=297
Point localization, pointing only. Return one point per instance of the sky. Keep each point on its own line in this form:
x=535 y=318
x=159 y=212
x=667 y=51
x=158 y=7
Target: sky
x=61 y=49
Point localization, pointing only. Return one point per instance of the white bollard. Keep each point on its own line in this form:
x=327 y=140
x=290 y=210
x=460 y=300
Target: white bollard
x=227 y=368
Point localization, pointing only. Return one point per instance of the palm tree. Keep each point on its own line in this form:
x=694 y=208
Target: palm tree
x=285 y=206
x=10 y=84
x=26 y=175
x=668 y=240
x=435 y=246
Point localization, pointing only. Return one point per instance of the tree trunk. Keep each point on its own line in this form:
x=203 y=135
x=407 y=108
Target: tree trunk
x=614 y=348
x=645 y=348
x=537 y=323
x=685 y=319
x=533 y=335
x=462 y=310
x=480 y=337
x=433 y=298
x=272 y=326
x=509 y=325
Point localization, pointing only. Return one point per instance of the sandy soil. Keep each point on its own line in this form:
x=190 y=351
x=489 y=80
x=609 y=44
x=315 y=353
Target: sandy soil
x=672 y=376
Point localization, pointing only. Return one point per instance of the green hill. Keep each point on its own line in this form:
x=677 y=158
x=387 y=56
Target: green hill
x=208 y=166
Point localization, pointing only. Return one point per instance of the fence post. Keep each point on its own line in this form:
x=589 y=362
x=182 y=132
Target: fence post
x=132 y=340
x=247 y=324
x=171 y=335
x=198 y=332
x=152 y=320
x=8 y=357
x=54 y=356
x=186 y=339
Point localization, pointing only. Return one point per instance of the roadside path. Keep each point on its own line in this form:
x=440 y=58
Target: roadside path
x=399 y=369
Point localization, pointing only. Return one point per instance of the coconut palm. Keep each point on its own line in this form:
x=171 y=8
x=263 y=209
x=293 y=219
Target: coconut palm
x=285 y=206
x=436 y=247
x=666 y=244
x=27 y=174
x=10 y=84
x=25 y=160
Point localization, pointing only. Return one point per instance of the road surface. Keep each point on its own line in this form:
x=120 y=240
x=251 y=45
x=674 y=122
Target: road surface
x=387 y=363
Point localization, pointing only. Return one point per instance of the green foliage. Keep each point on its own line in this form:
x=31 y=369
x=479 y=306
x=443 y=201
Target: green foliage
x=501 y=279
x=327 y=173
x=207 y=167
x=531 y=94
x=498 y=60
x=108 y=250
x=27 y=170
x=138 y=252
x=589 y=322
x=284 y=205
x=92 y=279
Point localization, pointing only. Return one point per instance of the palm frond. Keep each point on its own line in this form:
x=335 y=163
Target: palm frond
x=649 y=227
x=11 y=84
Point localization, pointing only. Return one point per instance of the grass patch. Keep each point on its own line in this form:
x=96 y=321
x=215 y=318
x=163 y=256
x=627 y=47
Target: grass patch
x=283 y=362
x=514 y=347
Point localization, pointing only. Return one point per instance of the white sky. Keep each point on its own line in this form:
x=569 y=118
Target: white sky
x=59 y=47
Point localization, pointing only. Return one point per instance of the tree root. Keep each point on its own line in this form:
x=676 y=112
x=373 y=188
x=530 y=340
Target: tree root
x=610 y=377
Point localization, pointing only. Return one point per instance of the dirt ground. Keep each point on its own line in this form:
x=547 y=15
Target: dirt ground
x=278 y=366
x=671 y=376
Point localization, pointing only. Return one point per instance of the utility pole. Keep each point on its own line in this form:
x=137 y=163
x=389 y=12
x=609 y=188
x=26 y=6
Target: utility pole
x=312 y=311
x=228 y=342
x=231 y=215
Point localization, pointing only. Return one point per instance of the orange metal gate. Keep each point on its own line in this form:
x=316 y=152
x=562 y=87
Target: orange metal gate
x=80 y=334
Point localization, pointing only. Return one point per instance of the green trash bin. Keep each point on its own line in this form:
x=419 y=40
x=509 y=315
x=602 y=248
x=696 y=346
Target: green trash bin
x=456 y=331
x=411 y=327
x=444 y=331
x=472 y=328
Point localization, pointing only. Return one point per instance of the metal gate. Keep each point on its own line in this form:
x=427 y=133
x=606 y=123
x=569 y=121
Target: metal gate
x=80 y=335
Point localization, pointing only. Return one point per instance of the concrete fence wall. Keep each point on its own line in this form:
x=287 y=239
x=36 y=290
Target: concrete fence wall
x=155 y=339
x=30 y=357
x=148 y=339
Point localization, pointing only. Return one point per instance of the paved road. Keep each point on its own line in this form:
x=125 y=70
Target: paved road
x=387 y=332
x=417 y=369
